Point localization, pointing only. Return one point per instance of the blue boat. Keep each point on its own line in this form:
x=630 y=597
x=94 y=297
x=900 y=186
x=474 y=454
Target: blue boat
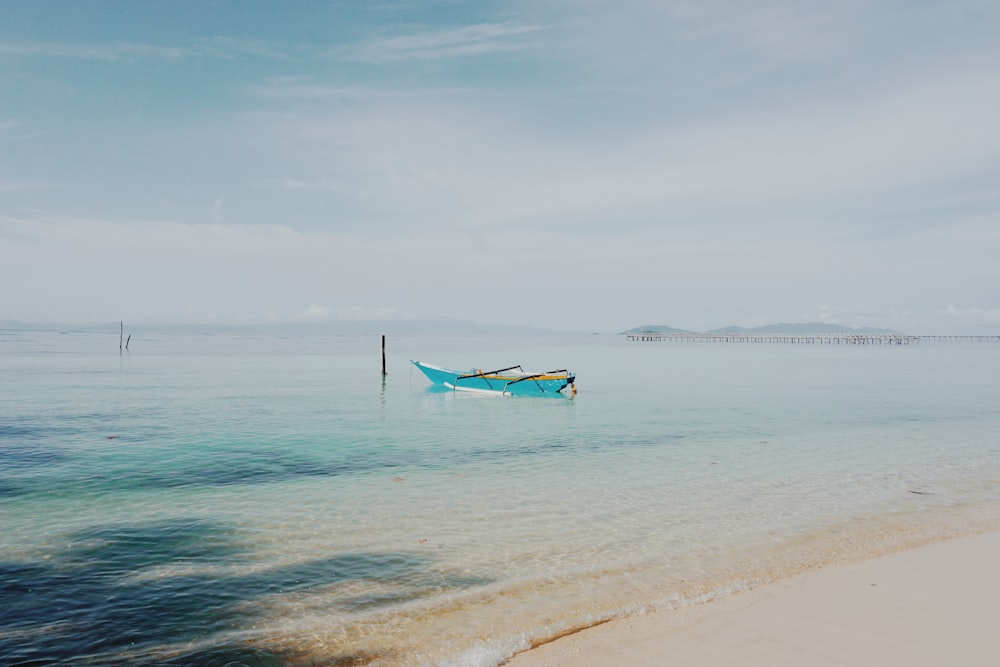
x=512 y=380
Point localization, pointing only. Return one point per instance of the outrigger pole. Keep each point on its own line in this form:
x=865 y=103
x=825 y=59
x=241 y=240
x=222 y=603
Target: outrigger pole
x=481 y=373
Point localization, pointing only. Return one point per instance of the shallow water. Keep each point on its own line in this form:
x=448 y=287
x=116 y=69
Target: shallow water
x=262 y=497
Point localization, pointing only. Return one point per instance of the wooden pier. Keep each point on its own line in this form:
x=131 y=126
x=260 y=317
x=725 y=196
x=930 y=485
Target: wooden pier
x=801 y=339
x=962 y=339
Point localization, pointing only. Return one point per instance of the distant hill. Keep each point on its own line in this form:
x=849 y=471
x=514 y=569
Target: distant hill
x=655 y=328
x=780 y=328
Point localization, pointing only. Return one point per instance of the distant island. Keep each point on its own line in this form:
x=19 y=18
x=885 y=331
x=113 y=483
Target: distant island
x=780 y=328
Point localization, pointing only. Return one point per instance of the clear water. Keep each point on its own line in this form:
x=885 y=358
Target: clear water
x=262 y=497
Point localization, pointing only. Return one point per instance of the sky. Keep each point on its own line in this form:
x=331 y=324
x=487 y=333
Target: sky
x=566 y=164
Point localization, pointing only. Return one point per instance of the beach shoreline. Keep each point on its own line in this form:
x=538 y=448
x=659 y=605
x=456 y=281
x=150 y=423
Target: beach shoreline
x=930 y=605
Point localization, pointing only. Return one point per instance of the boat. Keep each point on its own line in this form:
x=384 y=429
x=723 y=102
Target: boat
x=510 y=380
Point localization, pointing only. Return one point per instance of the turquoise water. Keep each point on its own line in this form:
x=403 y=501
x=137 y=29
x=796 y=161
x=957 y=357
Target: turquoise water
x=262 y=497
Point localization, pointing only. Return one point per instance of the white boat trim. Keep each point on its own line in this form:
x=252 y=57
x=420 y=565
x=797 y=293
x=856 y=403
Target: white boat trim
x=474 y=390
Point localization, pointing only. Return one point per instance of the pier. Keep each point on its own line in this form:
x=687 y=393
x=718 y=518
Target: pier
x=962 y=339
x=804 y=339
x=801 y=339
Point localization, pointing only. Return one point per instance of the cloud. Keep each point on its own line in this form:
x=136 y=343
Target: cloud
x=295 y=184
x=110 y=51
x=15 y=129
x=711 y=160
x=478 y=39
x=458 y=158
x=972 y=316
x=697 y=276
x=20 y=186
x=231 y=48
x=307 y=88
x=861 y=315
x=786 y=31
x=161 y=270
x=315 y=313
x=126 y=51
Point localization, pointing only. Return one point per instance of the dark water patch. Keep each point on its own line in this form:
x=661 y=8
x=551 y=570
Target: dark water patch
x=10 y=489
x=18 y=432
x=20 y=456
x=213 y=468
x=100 y=598
x=84 y=600
x=17 y=460
x=130 y=547
x=11 y=430
x=239 y=468
x=248 y=466
x=41 y=440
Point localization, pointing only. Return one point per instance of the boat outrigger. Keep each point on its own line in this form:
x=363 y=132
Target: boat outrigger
x=511 y=380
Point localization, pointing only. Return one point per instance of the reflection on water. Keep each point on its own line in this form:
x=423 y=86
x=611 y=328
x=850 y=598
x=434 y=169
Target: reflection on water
x=266 y=504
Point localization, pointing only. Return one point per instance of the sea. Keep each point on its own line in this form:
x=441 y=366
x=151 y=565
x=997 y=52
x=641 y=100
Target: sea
x=264 y=496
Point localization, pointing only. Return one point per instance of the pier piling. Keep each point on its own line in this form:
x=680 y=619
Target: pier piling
x=802 y=339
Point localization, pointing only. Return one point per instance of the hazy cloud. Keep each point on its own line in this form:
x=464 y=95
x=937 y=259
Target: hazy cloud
x=128 y=51
x=584 y=164
x=295 y=184
x=479 y=39
x=19 y=186
x=973 y=315
x=315 y=313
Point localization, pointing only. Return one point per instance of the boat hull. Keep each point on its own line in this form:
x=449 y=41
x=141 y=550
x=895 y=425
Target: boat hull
x=497 y=382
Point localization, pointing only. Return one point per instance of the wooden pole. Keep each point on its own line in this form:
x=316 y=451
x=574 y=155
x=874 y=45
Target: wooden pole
x=121 y=334
x=383 y=355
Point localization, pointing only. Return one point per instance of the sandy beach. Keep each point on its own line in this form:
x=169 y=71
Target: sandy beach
x=935 y=605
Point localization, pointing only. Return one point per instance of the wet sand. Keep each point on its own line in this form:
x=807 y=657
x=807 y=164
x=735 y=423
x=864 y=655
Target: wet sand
x=935 y=605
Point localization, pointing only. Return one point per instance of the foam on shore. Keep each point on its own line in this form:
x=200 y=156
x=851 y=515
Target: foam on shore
x=928 y=606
